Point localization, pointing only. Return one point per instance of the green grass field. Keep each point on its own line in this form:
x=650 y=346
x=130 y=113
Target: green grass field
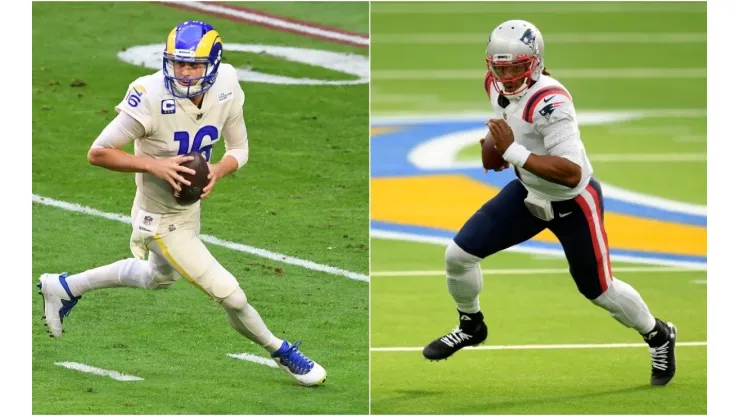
x=641 y=57
x=526 y=309
x=303 y=193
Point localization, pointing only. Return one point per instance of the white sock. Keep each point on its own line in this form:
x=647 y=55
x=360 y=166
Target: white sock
x=123 y=273
x=464 y=278
x=248 y=322
x=626 y=306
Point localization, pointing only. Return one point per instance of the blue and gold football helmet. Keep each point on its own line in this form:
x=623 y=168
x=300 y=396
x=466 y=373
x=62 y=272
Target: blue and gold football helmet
x=196 y=43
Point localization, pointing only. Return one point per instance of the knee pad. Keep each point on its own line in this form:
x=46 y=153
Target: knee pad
x=218 y=282
x=458 y=260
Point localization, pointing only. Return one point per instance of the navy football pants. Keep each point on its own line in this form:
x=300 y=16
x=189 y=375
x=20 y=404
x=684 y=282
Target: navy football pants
x=505 y=221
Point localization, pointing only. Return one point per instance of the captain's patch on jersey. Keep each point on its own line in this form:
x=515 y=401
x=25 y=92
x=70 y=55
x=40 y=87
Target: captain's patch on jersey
x=168 y=106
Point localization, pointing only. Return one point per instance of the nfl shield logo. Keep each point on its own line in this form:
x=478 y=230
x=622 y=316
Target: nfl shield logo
x=148 y=220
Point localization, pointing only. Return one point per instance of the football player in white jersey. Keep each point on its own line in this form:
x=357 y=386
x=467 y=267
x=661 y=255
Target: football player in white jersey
x=535 y=129
x=185 y=107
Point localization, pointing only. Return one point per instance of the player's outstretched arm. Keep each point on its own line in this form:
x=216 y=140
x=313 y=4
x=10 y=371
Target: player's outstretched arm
x=106 y=152
x=555 y=169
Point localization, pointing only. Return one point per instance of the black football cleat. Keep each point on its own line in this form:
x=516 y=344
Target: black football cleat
x=471 y=332
x=662 y=342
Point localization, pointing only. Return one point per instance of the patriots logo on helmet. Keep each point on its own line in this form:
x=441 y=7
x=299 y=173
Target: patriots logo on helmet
x=528 y=38
x=547 y=110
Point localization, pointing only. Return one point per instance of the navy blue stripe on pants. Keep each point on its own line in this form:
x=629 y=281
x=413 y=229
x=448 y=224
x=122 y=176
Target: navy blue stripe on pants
x=504 y=221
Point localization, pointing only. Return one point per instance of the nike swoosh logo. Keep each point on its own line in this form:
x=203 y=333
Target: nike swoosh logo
x=549 y=98
x=564 y=215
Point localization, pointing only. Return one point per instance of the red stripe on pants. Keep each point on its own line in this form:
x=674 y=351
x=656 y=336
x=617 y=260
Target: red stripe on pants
x=595 y=195
x=594 y=228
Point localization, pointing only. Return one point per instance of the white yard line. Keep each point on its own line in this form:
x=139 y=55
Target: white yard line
x=426 y=273
x=609 y=158
x=276 y=22
x=554 y=251
x=98 y=371
x=540 y=347
x=379 y=118
x=648 y=157
x=254 y=359
x=551 y=38
x=574 y=7
x=583 y=73
x=283 y=258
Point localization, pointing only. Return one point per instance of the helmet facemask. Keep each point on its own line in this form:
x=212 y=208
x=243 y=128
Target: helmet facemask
x=512 y=77
x=195 y=43
x=188 y=87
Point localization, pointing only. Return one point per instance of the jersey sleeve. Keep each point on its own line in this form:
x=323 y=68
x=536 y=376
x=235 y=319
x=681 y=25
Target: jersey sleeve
x=136 y=103
x=552 y=114
x=236 y=112
x=121 y=131
x=547 y=106
x=235 y=129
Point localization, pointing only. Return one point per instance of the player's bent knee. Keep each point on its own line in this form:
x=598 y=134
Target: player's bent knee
x=457 y=259
x=589 y=284
x=221 y=285
x=236 y=301
x=591 y=293
x=604 y=299
x=162 y=279
x=144 y=274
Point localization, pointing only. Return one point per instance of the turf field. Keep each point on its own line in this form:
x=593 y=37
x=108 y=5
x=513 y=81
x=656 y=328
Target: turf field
x=303 y=193
x=642 y=107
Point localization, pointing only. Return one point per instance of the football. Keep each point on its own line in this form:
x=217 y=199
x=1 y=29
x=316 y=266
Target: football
x=492 y=159
x=191 y=194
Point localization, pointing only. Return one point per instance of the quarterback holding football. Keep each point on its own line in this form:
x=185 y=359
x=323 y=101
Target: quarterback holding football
x=534 y=129
x=175 y=117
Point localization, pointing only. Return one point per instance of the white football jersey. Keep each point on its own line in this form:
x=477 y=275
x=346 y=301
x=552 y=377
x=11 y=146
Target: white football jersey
x=545 y=103
x=176 y=126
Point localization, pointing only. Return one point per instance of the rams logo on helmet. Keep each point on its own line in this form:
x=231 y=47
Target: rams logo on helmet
x=197 y=44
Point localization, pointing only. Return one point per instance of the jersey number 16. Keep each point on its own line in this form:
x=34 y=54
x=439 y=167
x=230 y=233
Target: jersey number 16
x=183 y=138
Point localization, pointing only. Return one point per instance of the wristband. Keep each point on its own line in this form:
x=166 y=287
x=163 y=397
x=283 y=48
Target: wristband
x=516 y=154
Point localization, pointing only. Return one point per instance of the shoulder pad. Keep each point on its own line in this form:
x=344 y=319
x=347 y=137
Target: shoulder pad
x=544 y=102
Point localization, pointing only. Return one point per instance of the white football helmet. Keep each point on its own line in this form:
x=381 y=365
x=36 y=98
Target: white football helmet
x=515 y=56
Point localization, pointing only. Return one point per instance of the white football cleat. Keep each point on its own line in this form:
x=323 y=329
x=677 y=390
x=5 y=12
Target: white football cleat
x=303 y=370
x=58 y=301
